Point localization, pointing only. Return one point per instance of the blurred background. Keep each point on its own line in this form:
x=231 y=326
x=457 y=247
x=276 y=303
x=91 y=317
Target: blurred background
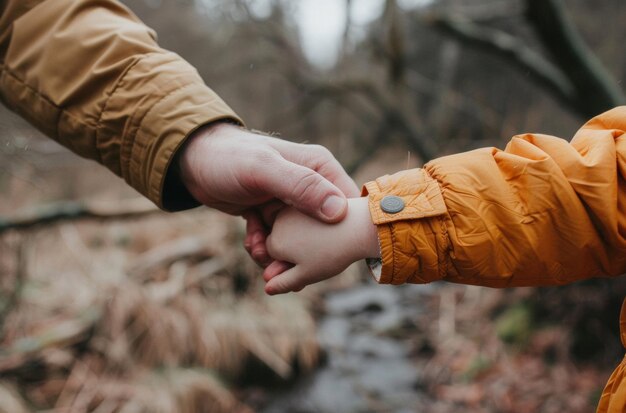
x=107 y=305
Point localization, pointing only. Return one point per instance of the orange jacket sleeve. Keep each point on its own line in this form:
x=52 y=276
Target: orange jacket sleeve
x=90 y=75
x=543 y=211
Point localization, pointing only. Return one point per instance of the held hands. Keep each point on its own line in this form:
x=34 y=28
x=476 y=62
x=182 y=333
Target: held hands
x=294 y=191
x=307 y=251
x=243 y=173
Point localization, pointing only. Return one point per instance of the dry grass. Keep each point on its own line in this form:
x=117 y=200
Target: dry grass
x=144 y=325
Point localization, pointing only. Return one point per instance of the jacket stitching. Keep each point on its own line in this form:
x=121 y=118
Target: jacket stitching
x=443 y=269
x=105 y=105
x=393 y=253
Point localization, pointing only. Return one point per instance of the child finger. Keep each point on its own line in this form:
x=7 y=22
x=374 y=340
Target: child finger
x=290 y=280
x=275 y=268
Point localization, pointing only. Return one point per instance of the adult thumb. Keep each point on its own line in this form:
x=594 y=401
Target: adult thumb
x=306 y=190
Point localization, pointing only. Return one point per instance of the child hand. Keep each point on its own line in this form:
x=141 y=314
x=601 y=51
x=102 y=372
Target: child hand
x=307 y=251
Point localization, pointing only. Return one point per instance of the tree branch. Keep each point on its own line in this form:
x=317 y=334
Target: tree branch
x=66 y=211
x=513 y=51
x=396 y=119
x=597 y=89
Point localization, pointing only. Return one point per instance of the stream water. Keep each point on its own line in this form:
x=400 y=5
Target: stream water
x=366 y=333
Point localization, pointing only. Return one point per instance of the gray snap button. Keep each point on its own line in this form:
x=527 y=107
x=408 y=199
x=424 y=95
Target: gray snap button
x=392 y=204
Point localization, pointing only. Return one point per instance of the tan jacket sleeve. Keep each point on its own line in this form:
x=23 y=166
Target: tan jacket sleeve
x=542 y=212
x=90 y=75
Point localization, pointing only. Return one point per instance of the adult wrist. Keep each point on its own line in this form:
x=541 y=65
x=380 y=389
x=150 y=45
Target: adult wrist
x=187 y=162
x=181 y=179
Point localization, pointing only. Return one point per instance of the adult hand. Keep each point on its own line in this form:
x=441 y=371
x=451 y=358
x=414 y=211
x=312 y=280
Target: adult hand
x=243 y=173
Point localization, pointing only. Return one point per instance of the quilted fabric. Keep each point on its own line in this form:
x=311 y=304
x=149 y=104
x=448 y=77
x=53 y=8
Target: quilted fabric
x=543 y=211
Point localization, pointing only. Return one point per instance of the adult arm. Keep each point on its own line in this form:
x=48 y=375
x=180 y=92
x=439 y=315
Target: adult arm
x=90 y=75
x=543 y=211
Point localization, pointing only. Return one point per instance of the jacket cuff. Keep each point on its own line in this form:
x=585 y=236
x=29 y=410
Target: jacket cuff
x=413 y=240
x=168 y=101
x=160 y=138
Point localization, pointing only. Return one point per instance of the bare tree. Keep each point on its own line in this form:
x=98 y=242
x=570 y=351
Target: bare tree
x=570 y=72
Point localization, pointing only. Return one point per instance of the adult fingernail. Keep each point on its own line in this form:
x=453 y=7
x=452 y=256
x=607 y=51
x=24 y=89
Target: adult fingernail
x=333 y=206
x=259 y=254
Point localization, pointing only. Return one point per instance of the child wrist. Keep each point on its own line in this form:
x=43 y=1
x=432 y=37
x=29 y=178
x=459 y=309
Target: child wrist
x=367 y=238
